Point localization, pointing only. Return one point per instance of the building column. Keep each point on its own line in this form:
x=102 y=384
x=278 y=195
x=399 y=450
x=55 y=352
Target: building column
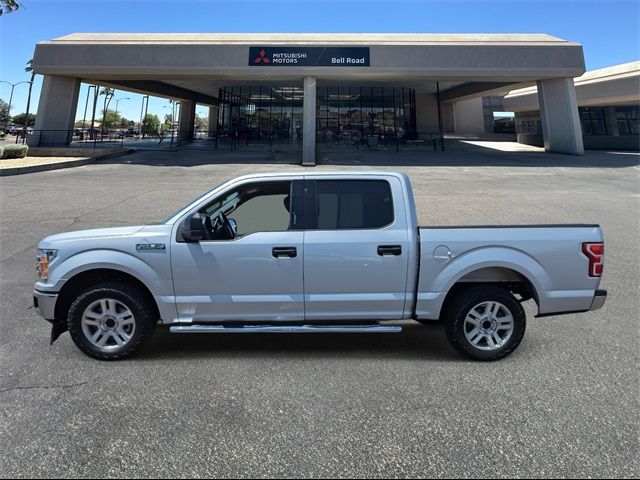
x=187 y=120
x=309 y=122
x=56 y=111
x=561 y=129
x=213 y=122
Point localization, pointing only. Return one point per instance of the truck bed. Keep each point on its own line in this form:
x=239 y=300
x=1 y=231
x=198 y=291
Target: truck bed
x=548 y=257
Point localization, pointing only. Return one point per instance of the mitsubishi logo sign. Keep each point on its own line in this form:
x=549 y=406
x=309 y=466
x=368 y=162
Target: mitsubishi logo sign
x=262 y=57
x=304 y=56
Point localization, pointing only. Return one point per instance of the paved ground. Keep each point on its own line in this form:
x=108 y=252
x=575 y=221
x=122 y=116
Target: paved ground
x=565 y=404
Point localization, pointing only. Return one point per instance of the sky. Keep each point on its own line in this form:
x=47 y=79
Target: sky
x=607 y=29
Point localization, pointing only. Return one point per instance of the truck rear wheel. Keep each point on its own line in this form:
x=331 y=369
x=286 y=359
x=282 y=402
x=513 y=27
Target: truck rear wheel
x=485 y=322
x=111 y=321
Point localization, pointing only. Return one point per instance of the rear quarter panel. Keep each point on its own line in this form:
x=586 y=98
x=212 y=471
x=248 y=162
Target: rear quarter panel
x=550 y=257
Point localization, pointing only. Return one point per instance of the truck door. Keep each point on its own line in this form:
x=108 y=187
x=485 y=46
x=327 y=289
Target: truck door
x=356 y=249
x=257 y=274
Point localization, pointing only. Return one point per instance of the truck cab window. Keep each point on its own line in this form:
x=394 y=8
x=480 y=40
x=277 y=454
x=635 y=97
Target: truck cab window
x=263 y=207
x=361 y=204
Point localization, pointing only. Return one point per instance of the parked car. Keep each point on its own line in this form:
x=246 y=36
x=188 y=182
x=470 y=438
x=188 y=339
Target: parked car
x=21 y=132
x=321 y=252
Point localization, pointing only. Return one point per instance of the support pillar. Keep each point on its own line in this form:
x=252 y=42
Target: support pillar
x=309 y=122
x=561 y=129
x=56 y=111
x=187 y=120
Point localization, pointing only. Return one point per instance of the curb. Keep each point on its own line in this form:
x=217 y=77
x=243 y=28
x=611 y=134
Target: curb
x=5 y=172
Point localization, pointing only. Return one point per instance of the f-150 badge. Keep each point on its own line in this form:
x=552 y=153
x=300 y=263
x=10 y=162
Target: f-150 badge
x=150 y=246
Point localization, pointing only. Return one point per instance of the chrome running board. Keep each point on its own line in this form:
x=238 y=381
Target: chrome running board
x=285 y=329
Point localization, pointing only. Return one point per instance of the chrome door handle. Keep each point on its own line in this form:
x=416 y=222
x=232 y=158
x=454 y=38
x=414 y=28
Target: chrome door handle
x=289 y=252
x=390 y=250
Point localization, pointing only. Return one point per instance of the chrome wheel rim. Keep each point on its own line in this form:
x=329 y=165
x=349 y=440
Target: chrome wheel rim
x=108 y=324
x=488 y=326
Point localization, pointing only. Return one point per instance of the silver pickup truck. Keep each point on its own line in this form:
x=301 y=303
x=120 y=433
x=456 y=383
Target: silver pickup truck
x=321 y=252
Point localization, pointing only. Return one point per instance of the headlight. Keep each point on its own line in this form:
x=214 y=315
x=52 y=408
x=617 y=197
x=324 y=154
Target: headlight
x=42 y=262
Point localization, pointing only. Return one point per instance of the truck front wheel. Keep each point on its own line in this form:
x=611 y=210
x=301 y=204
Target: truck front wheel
x=111 y=321
x=485 y=322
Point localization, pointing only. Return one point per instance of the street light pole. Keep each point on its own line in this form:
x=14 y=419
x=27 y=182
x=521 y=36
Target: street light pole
x=145 y=98
x=124 y=98
x=13 y=85
x=93 y=115
x=116 y=117
x=86 y=104
x=146 y=110
x=173 y=120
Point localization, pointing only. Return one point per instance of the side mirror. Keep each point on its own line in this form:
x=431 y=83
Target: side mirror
x=193 y=229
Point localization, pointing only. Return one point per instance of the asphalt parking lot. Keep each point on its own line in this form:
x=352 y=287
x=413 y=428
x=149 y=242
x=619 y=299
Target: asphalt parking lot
x=565 y=404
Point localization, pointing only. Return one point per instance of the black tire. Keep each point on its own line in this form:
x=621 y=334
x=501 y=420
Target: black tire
x=144 y=318
x=463 y=303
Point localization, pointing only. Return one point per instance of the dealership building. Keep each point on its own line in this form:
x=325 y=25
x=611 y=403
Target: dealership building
x=309 y=89
x=608 y=107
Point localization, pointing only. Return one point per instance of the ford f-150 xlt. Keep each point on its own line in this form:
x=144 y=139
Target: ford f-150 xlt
x=322 y=252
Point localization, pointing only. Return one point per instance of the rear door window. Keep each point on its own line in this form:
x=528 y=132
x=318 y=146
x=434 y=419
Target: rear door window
x=353 y=204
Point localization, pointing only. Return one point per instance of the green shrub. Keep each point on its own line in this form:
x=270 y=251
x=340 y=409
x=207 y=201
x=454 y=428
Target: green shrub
x=15 y=151
x=1 y=150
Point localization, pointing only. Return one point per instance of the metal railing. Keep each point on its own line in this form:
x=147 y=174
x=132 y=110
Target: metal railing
x=388 y=140
x=228 y=141
x=78 y=138
x=225 y=140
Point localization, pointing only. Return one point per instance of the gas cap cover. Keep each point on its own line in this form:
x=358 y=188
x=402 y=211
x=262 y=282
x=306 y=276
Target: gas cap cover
x=442 y=254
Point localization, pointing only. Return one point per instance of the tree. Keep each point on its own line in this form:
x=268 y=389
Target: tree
x=4 y=112
x=108 y=95
x=168 y=122
x=29 y=69
x=110 y=119
x=8 y=6
x=150 y=124
x=21 y=119
x=202 y=123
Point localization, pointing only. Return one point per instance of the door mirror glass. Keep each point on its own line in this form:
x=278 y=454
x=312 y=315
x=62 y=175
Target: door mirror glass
x=193 y=228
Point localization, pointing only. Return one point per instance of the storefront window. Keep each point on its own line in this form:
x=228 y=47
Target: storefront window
x=592 y=120
x=261 y=114
x=349 y=115
x=628 y=119
x=528 y=127
x=345 y=115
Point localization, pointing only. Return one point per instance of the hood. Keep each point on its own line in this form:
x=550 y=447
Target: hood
x=49 y=241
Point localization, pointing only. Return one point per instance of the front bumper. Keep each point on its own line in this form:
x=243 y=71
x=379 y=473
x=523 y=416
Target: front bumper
x=598 y=300
x=45 y=304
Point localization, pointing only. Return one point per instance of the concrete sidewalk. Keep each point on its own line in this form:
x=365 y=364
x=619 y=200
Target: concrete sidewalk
x=32 y=164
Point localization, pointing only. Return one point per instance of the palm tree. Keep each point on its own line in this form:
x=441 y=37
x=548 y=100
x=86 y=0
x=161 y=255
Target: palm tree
x=29 y=69
x=108 y=95
x=8 y=6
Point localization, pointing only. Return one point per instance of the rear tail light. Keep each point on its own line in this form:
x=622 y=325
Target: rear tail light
x=595 y=254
